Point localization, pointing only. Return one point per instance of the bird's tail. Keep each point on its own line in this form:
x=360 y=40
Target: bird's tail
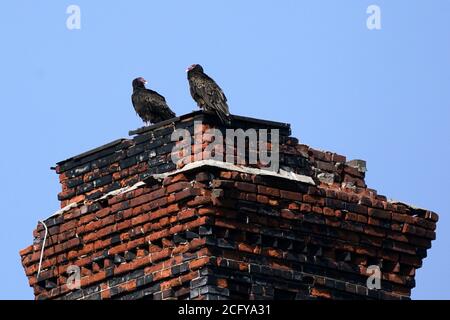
x=224 y=118
x=222 y=111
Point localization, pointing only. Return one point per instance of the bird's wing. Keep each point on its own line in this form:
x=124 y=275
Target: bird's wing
x=159 y=104
x=150 y=102
x=139 y=102
x=206 y=88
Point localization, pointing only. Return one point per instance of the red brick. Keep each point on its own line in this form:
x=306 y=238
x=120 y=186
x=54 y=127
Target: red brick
x=374 y=231
x=158 y=256
x=268 y=191
x=288 y=214
x=178 y=186
x=106 y=294
x=380 y=214
x=187 y=193
x=321 y=293
x=262 y=199
x=328 y=212
x=186 y=214
x=163 y=274
x=317 y=210
x=103 y=212
x=198 y=263
x=366 y=251
x=305 y=207
x=199 y=200
x=247 y=187
x=225 y=175
x=290 y=195
x=140 y=219
x=68 y=225
x=315 y=200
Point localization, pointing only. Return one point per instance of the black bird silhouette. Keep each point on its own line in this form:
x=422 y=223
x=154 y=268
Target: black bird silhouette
x=149 y=104
x=208 y=95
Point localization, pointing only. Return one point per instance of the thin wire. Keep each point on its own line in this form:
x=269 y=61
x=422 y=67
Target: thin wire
x=42 y=249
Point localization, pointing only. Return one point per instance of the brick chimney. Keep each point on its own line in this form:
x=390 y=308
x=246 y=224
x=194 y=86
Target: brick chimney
x=135 y=225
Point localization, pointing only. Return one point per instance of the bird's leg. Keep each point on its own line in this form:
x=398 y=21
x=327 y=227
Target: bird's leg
x=200 y=106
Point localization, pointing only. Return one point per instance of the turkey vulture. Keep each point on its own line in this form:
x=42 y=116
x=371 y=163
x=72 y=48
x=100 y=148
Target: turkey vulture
x=207 y=93
x=149 y=104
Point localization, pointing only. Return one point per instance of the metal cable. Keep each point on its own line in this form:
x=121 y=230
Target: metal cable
x=42 y=249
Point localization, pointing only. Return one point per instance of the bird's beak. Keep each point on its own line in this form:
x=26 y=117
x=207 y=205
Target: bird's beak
x=188 y=69
x=145 y=81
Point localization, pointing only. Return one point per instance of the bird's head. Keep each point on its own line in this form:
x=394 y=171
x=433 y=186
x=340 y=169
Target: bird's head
x=195 y=67
x=139 y=83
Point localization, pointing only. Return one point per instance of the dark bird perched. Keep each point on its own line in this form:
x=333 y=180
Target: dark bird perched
x=149 y=104
x=207 y=93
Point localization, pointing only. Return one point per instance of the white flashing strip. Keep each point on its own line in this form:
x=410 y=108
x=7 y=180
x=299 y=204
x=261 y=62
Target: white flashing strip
x=193 y=165
x=121 y=190
x=105 y=196
x=229 y=166
x=393 y=201
x=65 y=209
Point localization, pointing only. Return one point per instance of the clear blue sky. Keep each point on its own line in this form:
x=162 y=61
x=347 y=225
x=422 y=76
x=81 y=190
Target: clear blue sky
x=382 y=96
